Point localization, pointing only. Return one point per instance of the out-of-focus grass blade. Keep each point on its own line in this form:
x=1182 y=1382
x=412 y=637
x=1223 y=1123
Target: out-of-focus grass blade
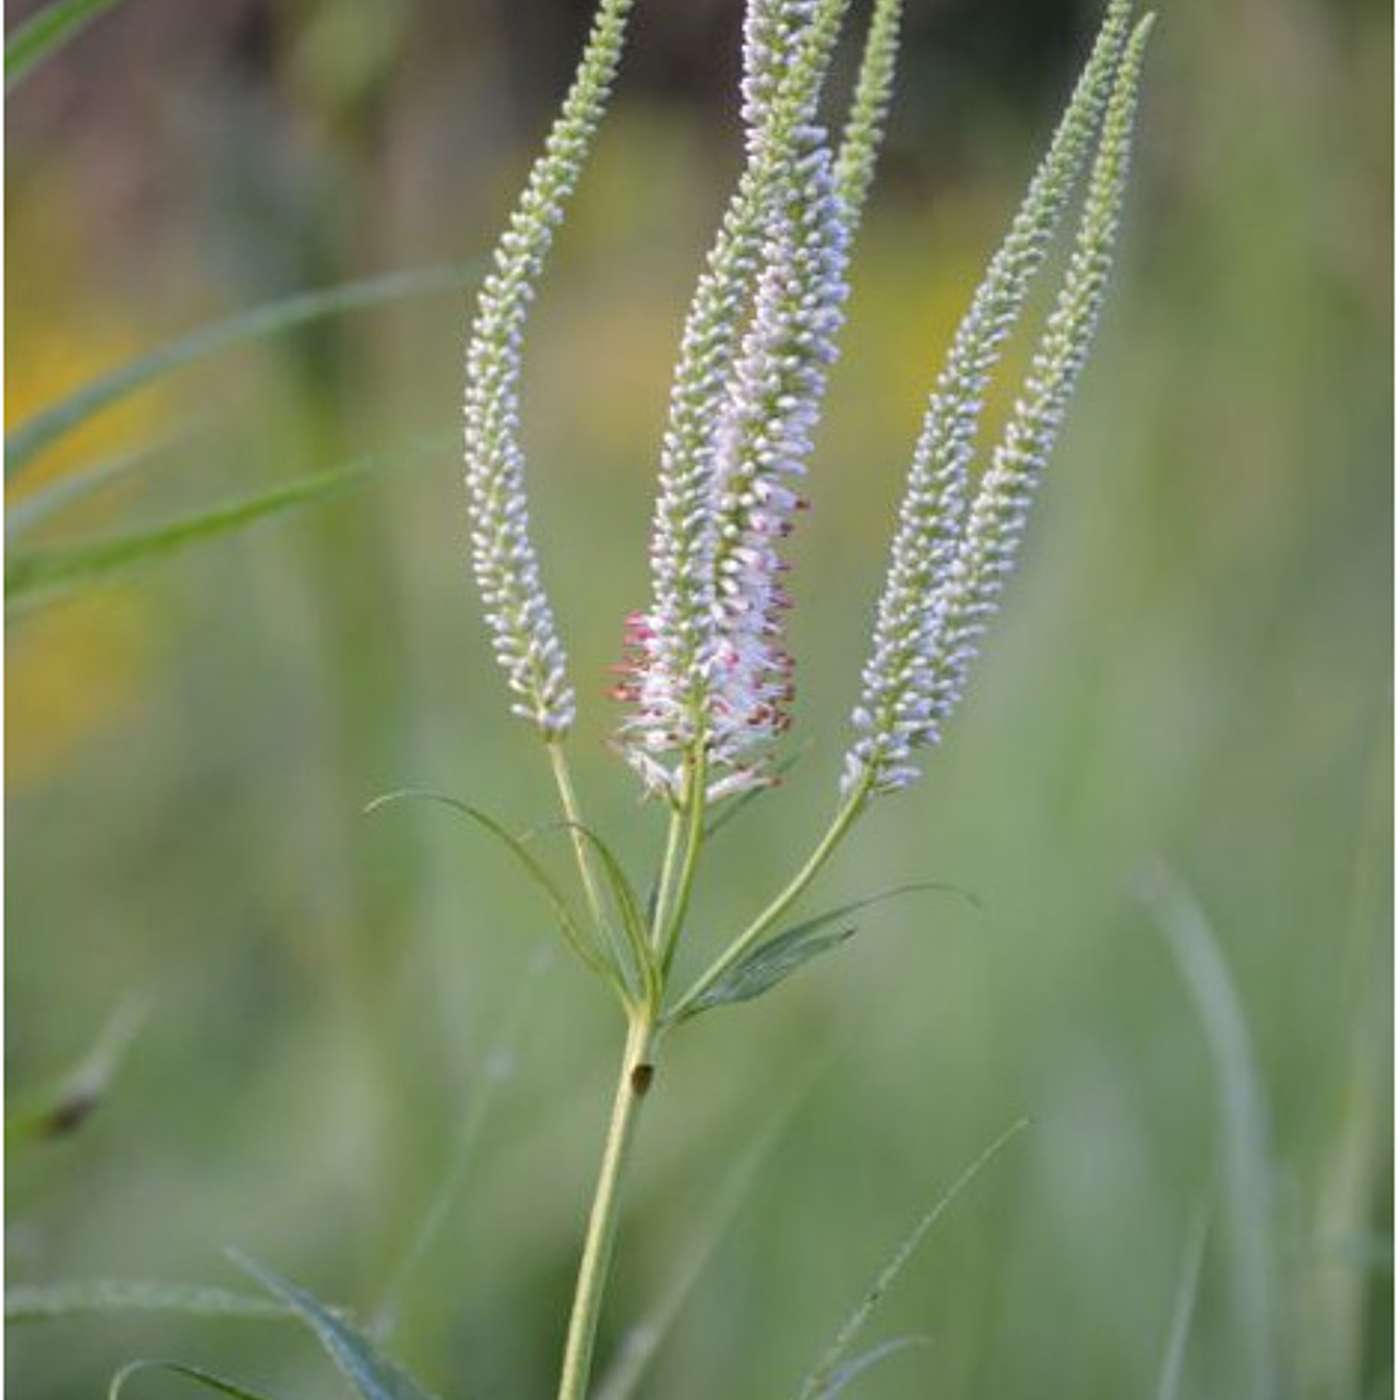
x=53 y=497
x=371 y=1373
x=51 y=1302
x=644 y=1339
x=64 y=1108
x=856 y=1367
x=272 y=318
x=573 y=934
x=496 y=1070
x=44 y=33
x=1174 y=1353
x=1244 y=1135
x=819 y=1383
x=198 y=1374
x=32 y=575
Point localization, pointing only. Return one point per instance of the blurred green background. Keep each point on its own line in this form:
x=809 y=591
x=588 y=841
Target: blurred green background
x=1194 y=667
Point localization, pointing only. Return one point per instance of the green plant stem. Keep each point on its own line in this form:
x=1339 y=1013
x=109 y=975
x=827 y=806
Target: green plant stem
x=567 y=799
x=695 y=838
x=842 y=823
x=675 y=832
x=633 y=1082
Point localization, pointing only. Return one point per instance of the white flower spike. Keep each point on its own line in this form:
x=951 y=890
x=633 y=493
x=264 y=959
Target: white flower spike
x=507 y=571
x=946 y=572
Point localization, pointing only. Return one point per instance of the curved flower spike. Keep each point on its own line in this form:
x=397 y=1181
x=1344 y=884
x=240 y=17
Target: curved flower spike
x=507 y=572
x=896 y=696
x=944 y=580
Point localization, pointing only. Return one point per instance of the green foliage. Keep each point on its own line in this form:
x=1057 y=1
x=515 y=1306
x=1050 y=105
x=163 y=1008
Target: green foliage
x=828 y=1369
x=44 y=33
x=244 y=327
x=55 y=1301
x=372 y=1374
x=589 y=952
x=40 y=575
x=763 y=967
x=207 y=1380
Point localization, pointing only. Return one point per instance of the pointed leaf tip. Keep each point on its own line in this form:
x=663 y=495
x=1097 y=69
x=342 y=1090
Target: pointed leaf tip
x=372 y=1374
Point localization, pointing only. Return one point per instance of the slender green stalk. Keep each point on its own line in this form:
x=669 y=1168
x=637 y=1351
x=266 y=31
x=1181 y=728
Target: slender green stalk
x=694 y=839
x=559 y=762
x=632 y=1085
x=844 y=820
x=675 y=833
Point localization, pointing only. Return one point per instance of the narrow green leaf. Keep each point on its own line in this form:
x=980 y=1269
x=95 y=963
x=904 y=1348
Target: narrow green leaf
x=53 y=1301
x=66 y=1106
x=780 y=956
x=36 y=574
x=201 y=1377
x=271 y=318
x=1246 y=1168
x=372 y=1374
x=1174 y=1353
x=866 y=1361
x=819 y=1383
x=496 y=1069
x=573 y=934
x=53 y=497
x=44 y=33
x=633 y=922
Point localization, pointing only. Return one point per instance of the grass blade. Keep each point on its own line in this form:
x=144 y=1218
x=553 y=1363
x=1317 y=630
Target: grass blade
x=573 y=934
x=1174 y=1353
x=496 y=1071
x=54 y=1301
x=43 y=34
x=1242 y=1118
x=271 y=318
x=207 y=1379
x=827 y=1369
x=37 y=574
x=856 y=1367
x=68 y=1105
x=373 y=1375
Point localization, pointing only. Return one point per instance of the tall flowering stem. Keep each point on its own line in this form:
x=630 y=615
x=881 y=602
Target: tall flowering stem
x=706 y=676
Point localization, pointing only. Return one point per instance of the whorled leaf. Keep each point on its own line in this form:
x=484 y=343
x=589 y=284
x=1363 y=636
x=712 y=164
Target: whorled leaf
x=362 y=1364
x=587 y=950
x=634 y=921
x=777 y=958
